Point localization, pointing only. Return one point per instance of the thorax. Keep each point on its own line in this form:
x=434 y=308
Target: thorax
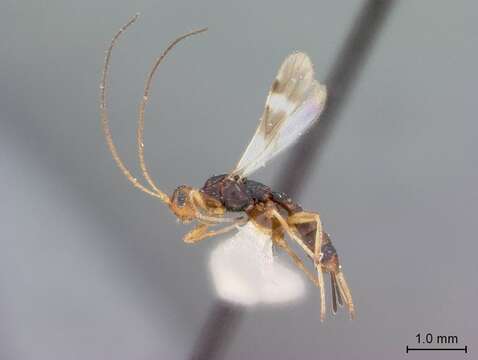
x=236 y=194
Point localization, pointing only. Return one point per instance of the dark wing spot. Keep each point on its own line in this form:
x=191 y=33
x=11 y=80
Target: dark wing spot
x=275 y=86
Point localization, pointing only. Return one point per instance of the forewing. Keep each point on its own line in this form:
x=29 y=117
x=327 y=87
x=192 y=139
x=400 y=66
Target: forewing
x=294 y=102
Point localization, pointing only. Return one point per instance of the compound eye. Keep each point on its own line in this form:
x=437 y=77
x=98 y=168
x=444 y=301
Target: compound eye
x=181 y=199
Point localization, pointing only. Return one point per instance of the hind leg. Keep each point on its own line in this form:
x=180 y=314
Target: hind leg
x=279 y=241
x=307 y=217
x=328 y=261
x=291 y=230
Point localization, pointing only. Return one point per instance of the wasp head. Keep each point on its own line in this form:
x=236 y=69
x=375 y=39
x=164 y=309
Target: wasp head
x=181 y=204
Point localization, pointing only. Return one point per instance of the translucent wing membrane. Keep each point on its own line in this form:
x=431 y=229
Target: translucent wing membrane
x=294 y=103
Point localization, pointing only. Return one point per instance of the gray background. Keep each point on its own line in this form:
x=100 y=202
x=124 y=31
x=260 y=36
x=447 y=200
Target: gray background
x=93 y=269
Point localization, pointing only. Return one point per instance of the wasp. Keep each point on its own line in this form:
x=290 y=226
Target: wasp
x=228 y=201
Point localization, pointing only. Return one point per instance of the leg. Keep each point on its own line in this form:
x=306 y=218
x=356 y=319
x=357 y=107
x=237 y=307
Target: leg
x=316 y=255
x=201 y=232
x=278 y=239
x=344 y=289
x=306 y=217
x=331 y=264
x=214 y=211
x=290 y=231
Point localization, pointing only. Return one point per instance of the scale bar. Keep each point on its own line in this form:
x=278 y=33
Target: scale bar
x=465 y=349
